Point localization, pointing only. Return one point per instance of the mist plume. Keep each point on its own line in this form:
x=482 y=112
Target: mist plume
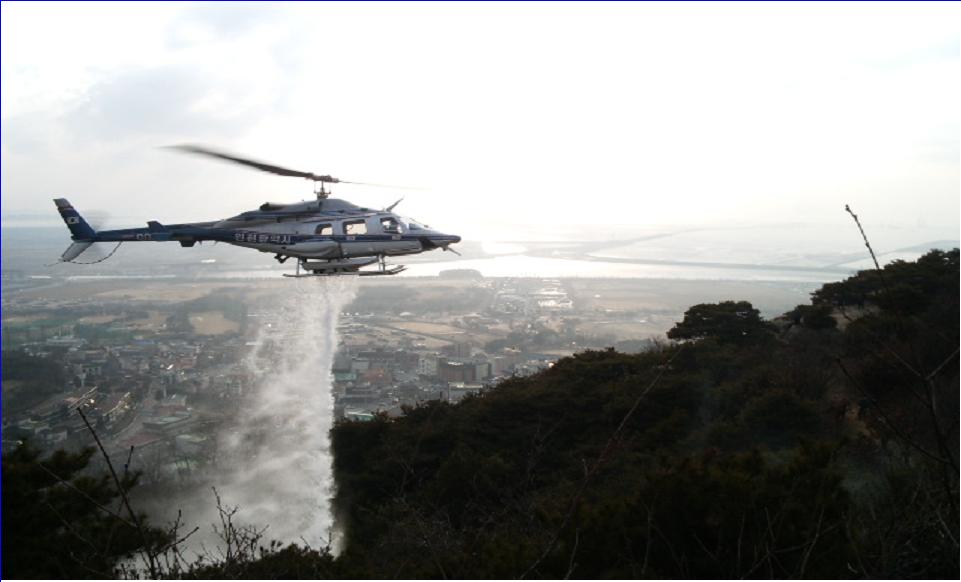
x=276 y=461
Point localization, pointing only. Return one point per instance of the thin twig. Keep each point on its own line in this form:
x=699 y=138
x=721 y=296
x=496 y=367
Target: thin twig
x=887 y=421
x=740 y=539
x=810 y=548
x=866 y=242
x=84 y=495
x=571 y=564
x=942 y=364
x=179 y=541
x=70 y=527
x=126 y=469
x=647 y=545
x=123 y=495
x=919 y=396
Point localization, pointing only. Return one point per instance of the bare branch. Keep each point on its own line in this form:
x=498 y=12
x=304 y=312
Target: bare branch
x=123 y=494
x=571 y=564
x=942 y=364
x=84 y=495
x=866 y=242
x=810 y=548
x=887 y=421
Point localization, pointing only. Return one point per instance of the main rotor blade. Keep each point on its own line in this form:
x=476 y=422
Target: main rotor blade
x=375 y=185
x=264 y=167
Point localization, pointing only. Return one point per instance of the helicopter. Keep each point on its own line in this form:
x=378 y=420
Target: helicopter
x=326 y=236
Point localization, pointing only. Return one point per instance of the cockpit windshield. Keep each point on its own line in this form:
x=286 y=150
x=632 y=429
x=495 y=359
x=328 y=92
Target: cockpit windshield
x=413 y=225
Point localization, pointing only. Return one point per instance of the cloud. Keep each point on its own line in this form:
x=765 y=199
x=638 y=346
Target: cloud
x=201 y=23
x=153 y=103
x=27 y=134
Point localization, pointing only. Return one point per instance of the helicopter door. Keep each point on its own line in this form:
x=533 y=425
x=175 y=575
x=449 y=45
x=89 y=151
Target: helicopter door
x=356 y=244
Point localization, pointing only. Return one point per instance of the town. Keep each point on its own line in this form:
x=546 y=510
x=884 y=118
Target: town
x=159 y=370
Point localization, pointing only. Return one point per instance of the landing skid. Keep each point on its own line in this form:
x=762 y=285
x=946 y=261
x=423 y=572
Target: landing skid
x=391 y=271
x=340 y=269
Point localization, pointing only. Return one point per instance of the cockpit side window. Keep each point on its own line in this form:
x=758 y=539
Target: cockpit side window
x=355 y=227
x=324 y=230
x=390 y=225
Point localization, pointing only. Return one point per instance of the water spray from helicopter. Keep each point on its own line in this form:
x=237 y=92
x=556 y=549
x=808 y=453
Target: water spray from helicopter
x=274 y=462
x=280 y=450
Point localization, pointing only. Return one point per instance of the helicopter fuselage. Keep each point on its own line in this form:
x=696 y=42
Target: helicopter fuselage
x=326 y=236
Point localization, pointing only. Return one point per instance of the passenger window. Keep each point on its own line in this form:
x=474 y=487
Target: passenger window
x=355 y=227
x=324 y=230
x=390 y=225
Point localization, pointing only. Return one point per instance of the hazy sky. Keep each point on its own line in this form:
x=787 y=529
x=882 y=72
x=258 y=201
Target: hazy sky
x=505 y=113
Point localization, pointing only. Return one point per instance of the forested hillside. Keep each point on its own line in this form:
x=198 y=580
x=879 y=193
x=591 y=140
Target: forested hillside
x=823 y=444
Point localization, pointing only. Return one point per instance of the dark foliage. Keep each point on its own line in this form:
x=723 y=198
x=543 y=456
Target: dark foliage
x=729 y=321
x=288 y=563
x=813 y=316
x=753 y=455
x=60 y=523
x=908 y=286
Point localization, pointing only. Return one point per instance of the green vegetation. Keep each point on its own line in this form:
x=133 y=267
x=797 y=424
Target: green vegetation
x=823 y=444
x=60 y=523
x=734 y=322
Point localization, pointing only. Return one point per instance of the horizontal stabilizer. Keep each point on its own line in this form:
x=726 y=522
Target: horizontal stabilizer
x=74 y=251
